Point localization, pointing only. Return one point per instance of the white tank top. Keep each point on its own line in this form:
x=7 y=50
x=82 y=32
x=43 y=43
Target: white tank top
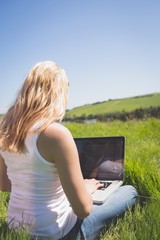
x=37 y=199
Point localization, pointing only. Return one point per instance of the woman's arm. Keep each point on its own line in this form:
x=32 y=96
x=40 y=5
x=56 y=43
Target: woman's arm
x=56 y=144
x=5 y=184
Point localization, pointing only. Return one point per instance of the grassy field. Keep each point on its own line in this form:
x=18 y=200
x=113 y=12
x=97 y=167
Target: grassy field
x=142 y=169
x=119 y=105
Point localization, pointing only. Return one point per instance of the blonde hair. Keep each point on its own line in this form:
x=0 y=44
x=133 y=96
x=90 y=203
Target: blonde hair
x=43 y=96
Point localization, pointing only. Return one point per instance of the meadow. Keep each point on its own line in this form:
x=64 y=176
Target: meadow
x=142 y=170
x=115 y=105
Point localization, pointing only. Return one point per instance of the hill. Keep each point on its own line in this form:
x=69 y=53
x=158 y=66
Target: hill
x=112 y=107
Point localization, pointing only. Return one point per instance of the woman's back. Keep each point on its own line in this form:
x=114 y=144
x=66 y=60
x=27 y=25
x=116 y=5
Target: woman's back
x=37 y=194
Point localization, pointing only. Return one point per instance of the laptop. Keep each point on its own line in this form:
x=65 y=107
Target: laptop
x=102 y=158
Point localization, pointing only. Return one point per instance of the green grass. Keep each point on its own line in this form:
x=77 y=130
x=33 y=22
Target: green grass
x=119 y=105
x=142 y=169
x=142 y=224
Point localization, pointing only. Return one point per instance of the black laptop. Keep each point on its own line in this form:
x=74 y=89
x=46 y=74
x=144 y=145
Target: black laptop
x=102 y=158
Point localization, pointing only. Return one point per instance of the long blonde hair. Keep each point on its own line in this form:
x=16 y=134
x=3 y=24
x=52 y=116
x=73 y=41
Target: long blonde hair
x=43 y=96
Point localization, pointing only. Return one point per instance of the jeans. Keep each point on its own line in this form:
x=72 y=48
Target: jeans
x=101 y=215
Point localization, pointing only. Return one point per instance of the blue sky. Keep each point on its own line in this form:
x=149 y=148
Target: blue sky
x=109 y=48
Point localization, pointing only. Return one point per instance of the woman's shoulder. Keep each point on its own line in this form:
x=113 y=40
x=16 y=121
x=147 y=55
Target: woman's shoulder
x=55 y=138
x=55 y=129
x=55 y=132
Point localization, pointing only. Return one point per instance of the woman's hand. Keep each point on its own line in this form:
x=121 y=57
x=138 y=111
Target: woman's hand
x=92 y=185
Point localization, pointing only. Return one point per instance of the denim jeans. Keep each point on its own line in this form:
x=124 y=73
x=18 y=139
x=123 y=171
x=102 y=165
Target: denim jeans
x=101 y=215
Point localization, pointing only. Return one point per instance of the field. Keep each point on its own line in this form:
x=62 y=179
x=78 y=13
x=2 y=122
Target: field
x=142 y=169
x=117 y=105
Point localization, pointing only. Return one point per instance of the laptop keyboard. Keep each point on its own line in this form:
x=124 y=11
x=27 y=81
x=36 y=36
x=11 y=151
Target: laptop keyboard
x=105 y=184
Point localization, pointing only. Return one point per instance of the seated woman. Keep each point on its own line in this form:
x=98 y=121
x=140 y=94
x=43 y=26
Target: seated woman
x=39 y=164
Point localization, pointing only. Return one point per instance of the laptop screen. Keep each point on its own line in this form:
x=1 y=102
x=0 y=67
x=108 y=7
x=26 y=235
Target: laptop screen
x=101 y=157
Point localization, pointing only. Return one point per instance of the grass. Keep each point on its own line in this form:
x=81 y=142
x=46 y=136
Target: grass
x=142 y=169
x=137 y=225
x=119 y=105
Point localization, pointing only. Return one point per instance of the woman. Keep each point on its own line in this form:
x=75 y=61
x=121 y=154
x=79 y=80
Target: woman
x=39 y=164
